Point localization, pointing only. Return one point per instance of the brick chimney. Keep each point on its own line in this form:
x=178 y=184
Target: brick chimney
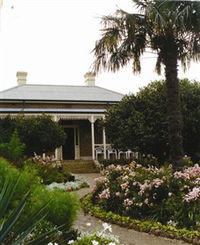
x=90 y=78
x=21 y=77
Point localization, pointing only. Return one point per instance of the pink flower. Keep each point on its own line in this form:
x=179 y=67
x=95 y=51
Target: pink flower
x=105 y=194
x=127 y=202
x=124 y=185
x=192 y=195
x=117 y=194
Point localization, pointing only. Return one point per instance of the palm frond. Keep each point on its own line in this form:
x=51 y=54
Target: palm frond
x=123 y=38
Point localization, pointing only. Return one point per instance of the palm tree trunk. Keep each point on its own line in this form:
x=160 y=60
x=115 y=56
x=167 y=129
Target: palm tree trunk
x=175 y=122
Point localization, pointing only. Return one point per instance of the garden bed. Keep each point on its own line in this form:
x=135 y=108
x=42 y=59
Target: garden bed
x=150 y=227
x=149 y=199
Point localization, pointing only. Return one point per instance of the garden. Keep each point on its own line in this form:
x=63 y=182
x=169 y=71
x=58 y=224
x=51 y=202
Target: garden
x=38 y=202
x=160 y=194
x=151 y=194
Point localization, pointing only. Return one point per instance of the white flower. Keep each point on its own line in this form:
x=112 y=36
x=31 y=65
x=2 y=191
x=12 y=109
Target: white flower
x=88 y=224
x=70 y=241
x=107 y=227
x=94 y=242
x=50 y=243
x=111 y=243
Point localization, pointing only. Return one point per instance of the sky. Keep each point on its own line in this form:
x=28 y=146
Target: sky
x=53 y=40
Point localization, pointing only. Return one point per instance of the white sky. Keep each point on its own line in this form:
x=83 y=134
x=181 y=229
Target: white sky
x=52 y=40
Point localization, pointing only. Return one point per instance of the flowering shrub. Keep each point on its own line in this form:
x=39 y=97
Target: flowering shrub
x=151 y=193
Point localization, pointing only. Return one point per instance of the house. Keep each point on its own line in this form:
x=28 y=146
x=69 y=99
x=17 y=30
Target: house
x=77 y=107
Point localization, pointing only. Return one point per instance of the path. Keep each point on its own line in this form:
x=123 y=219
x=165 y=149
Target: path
x=127 y=236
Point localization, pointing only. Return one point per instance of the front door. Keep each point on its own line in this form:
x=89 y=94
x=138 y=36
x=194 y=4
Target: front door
x=68 y=147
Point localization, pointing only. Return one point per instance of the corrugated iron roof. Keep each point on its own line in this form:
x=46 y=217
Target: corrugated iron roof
x=60 y=93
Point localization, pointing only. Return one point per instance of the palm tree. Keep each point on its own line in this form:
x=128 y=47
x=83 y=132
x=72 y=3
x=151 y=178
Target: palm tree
x=169 y=28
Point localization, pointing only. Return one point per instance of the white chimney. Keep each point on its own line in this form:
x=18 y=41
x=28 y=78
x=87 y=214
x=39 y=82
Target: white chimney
x=21 y=77
x=90 y=78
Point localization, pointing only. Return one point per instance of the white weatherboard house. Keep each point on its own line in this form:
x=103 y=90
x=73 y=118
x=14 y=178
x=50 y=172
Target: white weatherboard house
x=77 y=108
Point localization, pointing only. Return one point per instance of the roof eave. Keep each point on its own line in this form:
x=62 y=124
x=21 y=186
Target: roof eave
x=58 y=101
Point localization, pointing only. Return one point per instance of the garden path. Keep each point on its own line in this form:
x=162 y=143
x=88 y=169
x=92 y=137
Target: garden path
x=126 y=236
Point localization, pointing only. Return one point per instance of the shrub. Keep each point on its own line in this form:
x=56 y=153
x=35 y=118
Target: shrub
x=13 y=150
x=8 y=232
x=139 y=122
x=151 y=193
x=48 y=173
x=63 y=204
x=144 y=161
x=107 y=162
x=40 y=134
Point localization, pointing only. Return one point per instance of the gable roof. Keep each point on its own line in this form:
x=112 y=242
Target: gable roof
x=32 y=92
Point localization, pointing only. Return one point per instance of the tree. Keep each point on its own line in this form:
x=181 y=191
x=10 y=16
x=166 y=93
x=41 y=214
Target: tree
x=39 y=134
x=169 y=28
x=139 y=122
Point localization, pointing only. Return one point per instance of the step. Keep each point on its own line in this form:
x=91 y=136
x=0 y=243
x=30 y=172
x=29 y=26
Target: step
x=80 y=166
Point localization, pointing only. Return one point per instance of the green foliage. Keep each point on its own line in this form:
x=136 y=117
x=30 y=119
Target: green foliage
x=89 y=240
x=63 y=205
x=107 y=162
x=9 y=234
x=151 y=193
x=7 y=127
x=139 y=122
x=40 y=134
x=13 y=150
x=151 y=227
x=62 y=210
x=47 y=173
x=172 y=30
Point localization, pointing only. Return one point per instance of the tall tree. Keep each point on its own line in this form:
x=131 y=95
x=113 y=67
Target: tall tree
x=172 y=30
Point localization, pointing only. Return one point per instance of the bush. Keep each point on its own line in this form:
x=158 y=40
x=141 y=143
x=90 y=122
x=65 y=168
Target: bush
x=13 y=150
x=8 y=232
x=48 y=173
x=151 y=193
x=62 y=209
x=144 y=161
x=39 y=134
x=63 y=206
x=139 y=122
x=107 y=162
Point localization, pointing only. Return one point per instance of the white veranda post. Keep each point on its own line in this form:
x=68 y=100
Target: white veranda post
x=104 y=143
x=92 y=121
x=58 y=151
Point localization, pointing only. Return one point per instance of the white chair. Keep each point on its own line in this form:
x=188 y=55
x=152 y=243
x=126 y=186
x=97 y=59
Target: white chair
x=98 y=151
x=111 y=151
x=120 y=152
x=129 y=153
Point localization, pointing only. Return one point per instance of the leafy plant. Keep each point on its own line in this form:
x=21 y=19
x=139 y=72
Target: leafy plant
x=151 y=227
x=39 y=134
x=9 y=234
x=152 y=193
x=14 y=149
x=64 y=205
x=139 y=122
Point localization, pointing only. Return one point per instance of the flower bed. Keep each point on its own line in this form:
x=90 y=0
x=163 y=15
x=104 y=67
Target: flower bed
x=150 y=227
x=78 y=183
x=136 y=192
